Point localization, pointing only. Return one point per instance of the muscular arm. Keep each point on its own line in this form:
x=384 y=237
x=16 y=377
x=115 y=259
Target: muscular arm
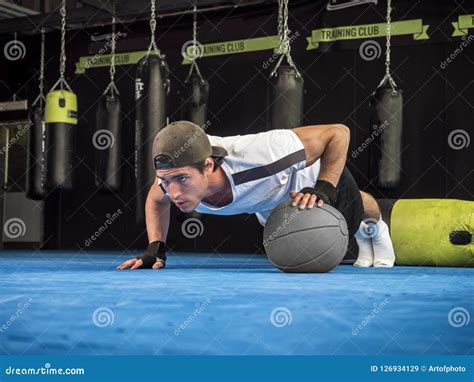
x=157 y=212
x=328 y=142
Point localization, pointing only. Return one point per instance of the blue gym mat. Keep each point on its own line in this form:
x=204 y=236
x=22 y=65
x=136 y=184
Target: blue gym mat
x=77 y=303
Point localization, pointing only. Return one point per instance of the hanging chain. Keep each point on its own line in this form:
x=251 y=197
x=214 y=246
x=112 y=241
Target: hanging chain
x=112 y=52
x=280 y=28
x=62 y=64
x=112 y=87
x=283 y=27
x=152 y=28
x=193 y=58
x=41 y=79
x=194 y=28
x=284 y=48
x=62 y=59
x=40 y=97
x=389 y=30
x=388 y=77
x=286 y=34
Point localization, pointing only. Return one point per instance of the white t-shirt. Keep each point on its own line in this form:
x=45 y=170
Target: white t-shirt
x=262 y=169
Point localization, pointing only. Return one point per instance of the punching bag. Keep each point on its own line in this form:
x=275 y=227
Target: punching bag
x=60 y=121
x=35 y=187
x=433 y=232
x=107 y=142
x=386 y=117
x=194 y=100
x=151 y=90
x=285 y=99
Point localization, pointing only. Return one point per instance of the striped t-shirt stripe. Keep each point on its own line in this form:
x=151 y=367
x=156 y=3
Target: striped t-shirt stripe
x=269 y=169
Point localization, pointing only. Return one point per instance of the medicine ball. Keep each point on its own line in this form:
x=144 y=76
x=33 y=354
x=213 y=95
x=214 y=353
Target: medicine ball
x=309 y=240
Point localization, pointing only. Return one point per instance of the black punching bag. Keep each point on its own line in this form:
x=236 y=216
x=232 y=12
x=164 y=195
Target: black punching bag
x=107 y=141
x=35 y=187
x=386 y=117
x=285 y=99
x=60 y=153
x=151 y=91
x=194 y=100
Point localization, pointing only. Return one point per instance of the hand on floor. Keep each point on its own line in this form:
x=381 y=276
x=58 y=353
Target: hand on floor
x=137 y=263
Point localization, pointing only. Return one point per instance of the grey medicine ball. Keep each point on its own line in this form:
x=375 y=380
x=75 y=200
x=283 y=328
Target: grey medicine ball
x=309 y=240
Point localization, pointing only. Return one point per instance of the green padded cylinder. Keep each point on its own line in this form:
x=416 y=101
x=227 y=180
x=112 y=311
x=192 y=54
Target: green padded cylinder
x=433 y=232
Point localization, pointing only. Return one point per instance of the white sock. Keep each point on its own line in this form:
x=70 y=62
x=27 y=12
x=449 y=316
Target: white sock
x=364 y=241
x=384 y=255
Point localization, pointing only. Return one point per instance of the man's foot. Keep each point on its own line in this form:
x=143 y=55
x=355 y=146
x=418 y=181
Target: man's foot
x=384 y=255
x=364 y=241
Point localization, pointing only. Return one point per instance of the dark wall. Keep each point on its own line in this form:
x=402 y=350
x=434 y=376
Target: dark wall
x=338 y=86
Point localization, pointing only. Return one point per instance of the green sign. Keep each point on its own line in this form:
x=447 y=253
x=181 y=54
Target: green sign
x=99 y=61
x=353 y=32
x=464 y=23
x=233 y=47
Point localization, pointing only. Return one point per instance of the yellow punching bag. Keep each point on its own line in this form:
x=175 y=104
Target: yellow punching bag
x=60 y=118
x=60 y=124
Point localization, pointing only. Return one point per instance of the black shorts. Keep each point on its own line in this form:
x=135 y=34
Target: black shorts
x=349 y=202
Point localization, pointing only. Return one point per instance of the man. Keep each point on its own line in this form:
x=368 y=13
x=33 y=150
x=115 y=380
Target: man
x=253 y=174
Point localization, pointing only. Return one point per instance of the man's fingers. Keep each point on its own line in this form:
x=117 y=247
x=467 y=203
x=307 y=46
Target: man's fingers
x=126 y=264
x=296 y=199
x=137 y=264
x=304 y=201
x=311 y=201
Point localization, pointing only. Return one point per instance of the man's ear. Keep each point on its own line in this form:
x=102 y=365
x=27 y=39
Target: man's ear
x=209 y=165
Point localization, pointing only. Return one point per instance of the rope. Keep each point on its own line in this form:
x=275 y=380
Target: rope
x=388 y=77
x=284 y=48
x=194 y=27
x=152 y=29
x=112 y=87
x=194 y=65
x=62 y=59
x=41 y=99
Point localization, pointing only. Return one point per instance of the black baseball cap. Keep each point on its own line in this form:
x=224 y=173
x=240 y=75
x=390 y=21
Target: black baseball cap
x=182 y=143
